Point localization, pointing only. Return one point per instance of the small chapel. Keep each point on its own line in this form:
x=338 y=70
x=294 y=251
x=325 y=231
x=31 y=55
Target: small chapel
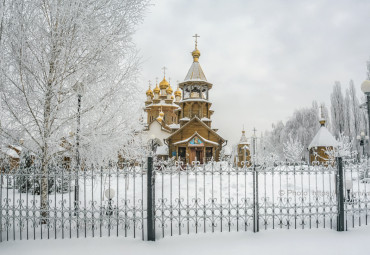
x=181 y=122
x=323 y=145
x=244 y=153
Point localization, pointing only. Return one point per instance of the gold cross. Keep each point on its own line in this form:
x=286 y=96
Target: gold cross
x=149 y=83
x=196 y=39
x=164 y=71
x=156 y=80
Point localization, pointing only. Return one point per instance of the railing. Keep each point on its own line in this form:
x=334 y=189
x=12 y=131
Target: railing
x=111 y=202
x=179 y=199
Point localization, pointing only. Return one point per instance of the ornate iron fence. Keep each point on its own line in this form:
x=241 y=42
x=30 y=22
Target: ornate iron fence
x=110 y=202
x=165 y=199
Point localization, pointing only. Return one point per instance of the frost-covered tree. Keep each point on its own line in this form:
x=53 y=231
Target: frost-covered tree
x=51 y=47
x=293 y=149
x=337 y=110
x=303 y=125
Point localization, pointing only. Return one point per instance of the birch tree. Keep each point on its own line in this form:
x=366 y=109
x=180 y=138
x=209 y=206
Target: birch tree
x=50 y=46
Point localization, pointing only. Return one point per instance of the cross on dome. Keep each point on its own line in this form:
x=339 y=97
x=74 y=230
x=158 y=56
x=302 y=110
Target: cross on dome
x=196 y=39
x=164 y=71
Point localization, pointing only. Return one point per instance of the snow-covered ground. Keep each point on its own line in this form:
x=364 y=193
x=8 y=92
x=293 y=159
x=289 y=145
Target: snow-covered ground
x=302 y=242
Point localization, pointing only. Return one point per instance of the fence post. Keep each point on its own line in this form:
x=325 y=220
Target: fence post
x=255 y=201
x=340 y=195
x=150 y=201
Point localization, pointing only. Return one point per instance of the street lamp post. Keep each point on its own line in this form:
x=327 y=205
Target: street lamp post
x=363 y=139
x=365 y=87
x=79 y=89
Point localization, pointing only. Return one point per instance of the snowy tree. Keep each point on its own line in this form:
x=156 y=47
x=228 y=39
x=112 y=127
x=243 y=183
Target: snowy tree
x=293 y=149
x=337 y=110
x=48 y=48
x=348 y=124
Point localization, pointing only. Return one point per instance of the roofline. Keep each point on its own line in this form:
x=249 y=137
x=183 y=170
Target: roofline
x=196 y=118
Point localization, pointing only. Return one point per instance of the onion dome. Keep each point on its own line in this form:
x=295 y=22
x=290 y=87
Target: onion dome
x=196 y=54
x=160 y=117
x=169 y=90
x=156 y=89
x=164 y=84
x=149 y=92
x=172 y=97
x=178 y=92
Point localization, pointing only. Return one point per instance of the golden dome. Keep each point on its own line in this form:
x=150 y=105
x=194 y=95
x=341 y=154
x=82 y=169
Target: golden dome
x=172 y=97
x=149 y=92
x=161 y=114
x=169 y=89
x=178 y=92
x=164 y=84
x=196 y=54
x=156 y=89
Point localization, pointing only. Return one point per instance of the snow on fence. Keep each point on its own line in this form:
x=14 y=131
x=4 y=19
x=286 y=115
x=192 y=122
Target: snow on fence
x=106 y=201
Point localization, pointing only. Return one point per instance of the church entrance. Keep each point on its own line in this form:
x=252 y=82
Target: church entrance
x=196 y=154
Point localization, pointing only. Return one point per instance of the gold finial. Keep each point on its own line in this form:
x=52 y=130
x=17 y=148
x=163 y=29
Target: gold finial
x=243 y=131
x=196 y=52
x=164 y=71
x=156 y=89
x=149 y=92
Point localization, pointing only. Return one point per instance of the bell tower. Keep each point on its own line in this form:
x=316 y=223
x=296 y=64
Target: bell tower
x=195 y=92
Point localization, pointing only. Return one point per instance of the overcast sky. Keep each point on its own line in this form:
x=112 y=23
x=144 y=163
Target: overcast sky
x=264 y=58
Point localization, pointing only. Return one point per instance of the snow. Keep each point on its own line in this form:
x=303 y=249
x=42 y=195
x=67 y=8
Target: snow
x=195 y=73
x=174 y=126
x=289 y=242
x=11 y=153
x=162 y=150
x=184 y=119
x=323 y=138
x=206 y=119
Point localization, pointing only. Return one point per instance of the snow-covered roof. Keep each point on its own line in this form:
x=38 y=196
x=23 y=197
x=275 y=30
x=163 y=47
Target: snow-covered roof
x=323 y=138
x=195 y=134
x=243 y=139
x=174 y=126
x=10 y=152
x=163 y=104
x=195 y=73
x=205 y=119
x=184 y=119
x=162 y=150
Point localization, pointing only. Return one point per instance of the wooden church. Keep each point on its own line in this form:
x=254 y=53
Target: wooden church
x=185 y=118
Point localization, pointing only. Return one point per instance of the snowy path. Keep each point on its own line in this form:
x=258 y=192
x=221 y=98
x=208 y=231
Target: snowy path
x=302 y=242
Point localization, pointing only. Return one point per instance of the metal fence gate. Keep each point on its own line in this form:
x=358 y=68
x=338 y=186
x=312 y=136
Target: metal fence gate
x=152 y=200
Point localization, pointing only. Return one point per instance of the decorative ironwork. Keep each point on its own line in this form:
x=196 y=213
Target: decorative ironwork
x=111 y=202
x=216 y=196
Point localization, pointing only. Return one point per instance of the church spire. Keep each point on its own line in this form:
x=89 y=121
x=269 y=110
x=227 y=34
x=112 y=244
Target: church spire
x=322 y=118
x=196 y=52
